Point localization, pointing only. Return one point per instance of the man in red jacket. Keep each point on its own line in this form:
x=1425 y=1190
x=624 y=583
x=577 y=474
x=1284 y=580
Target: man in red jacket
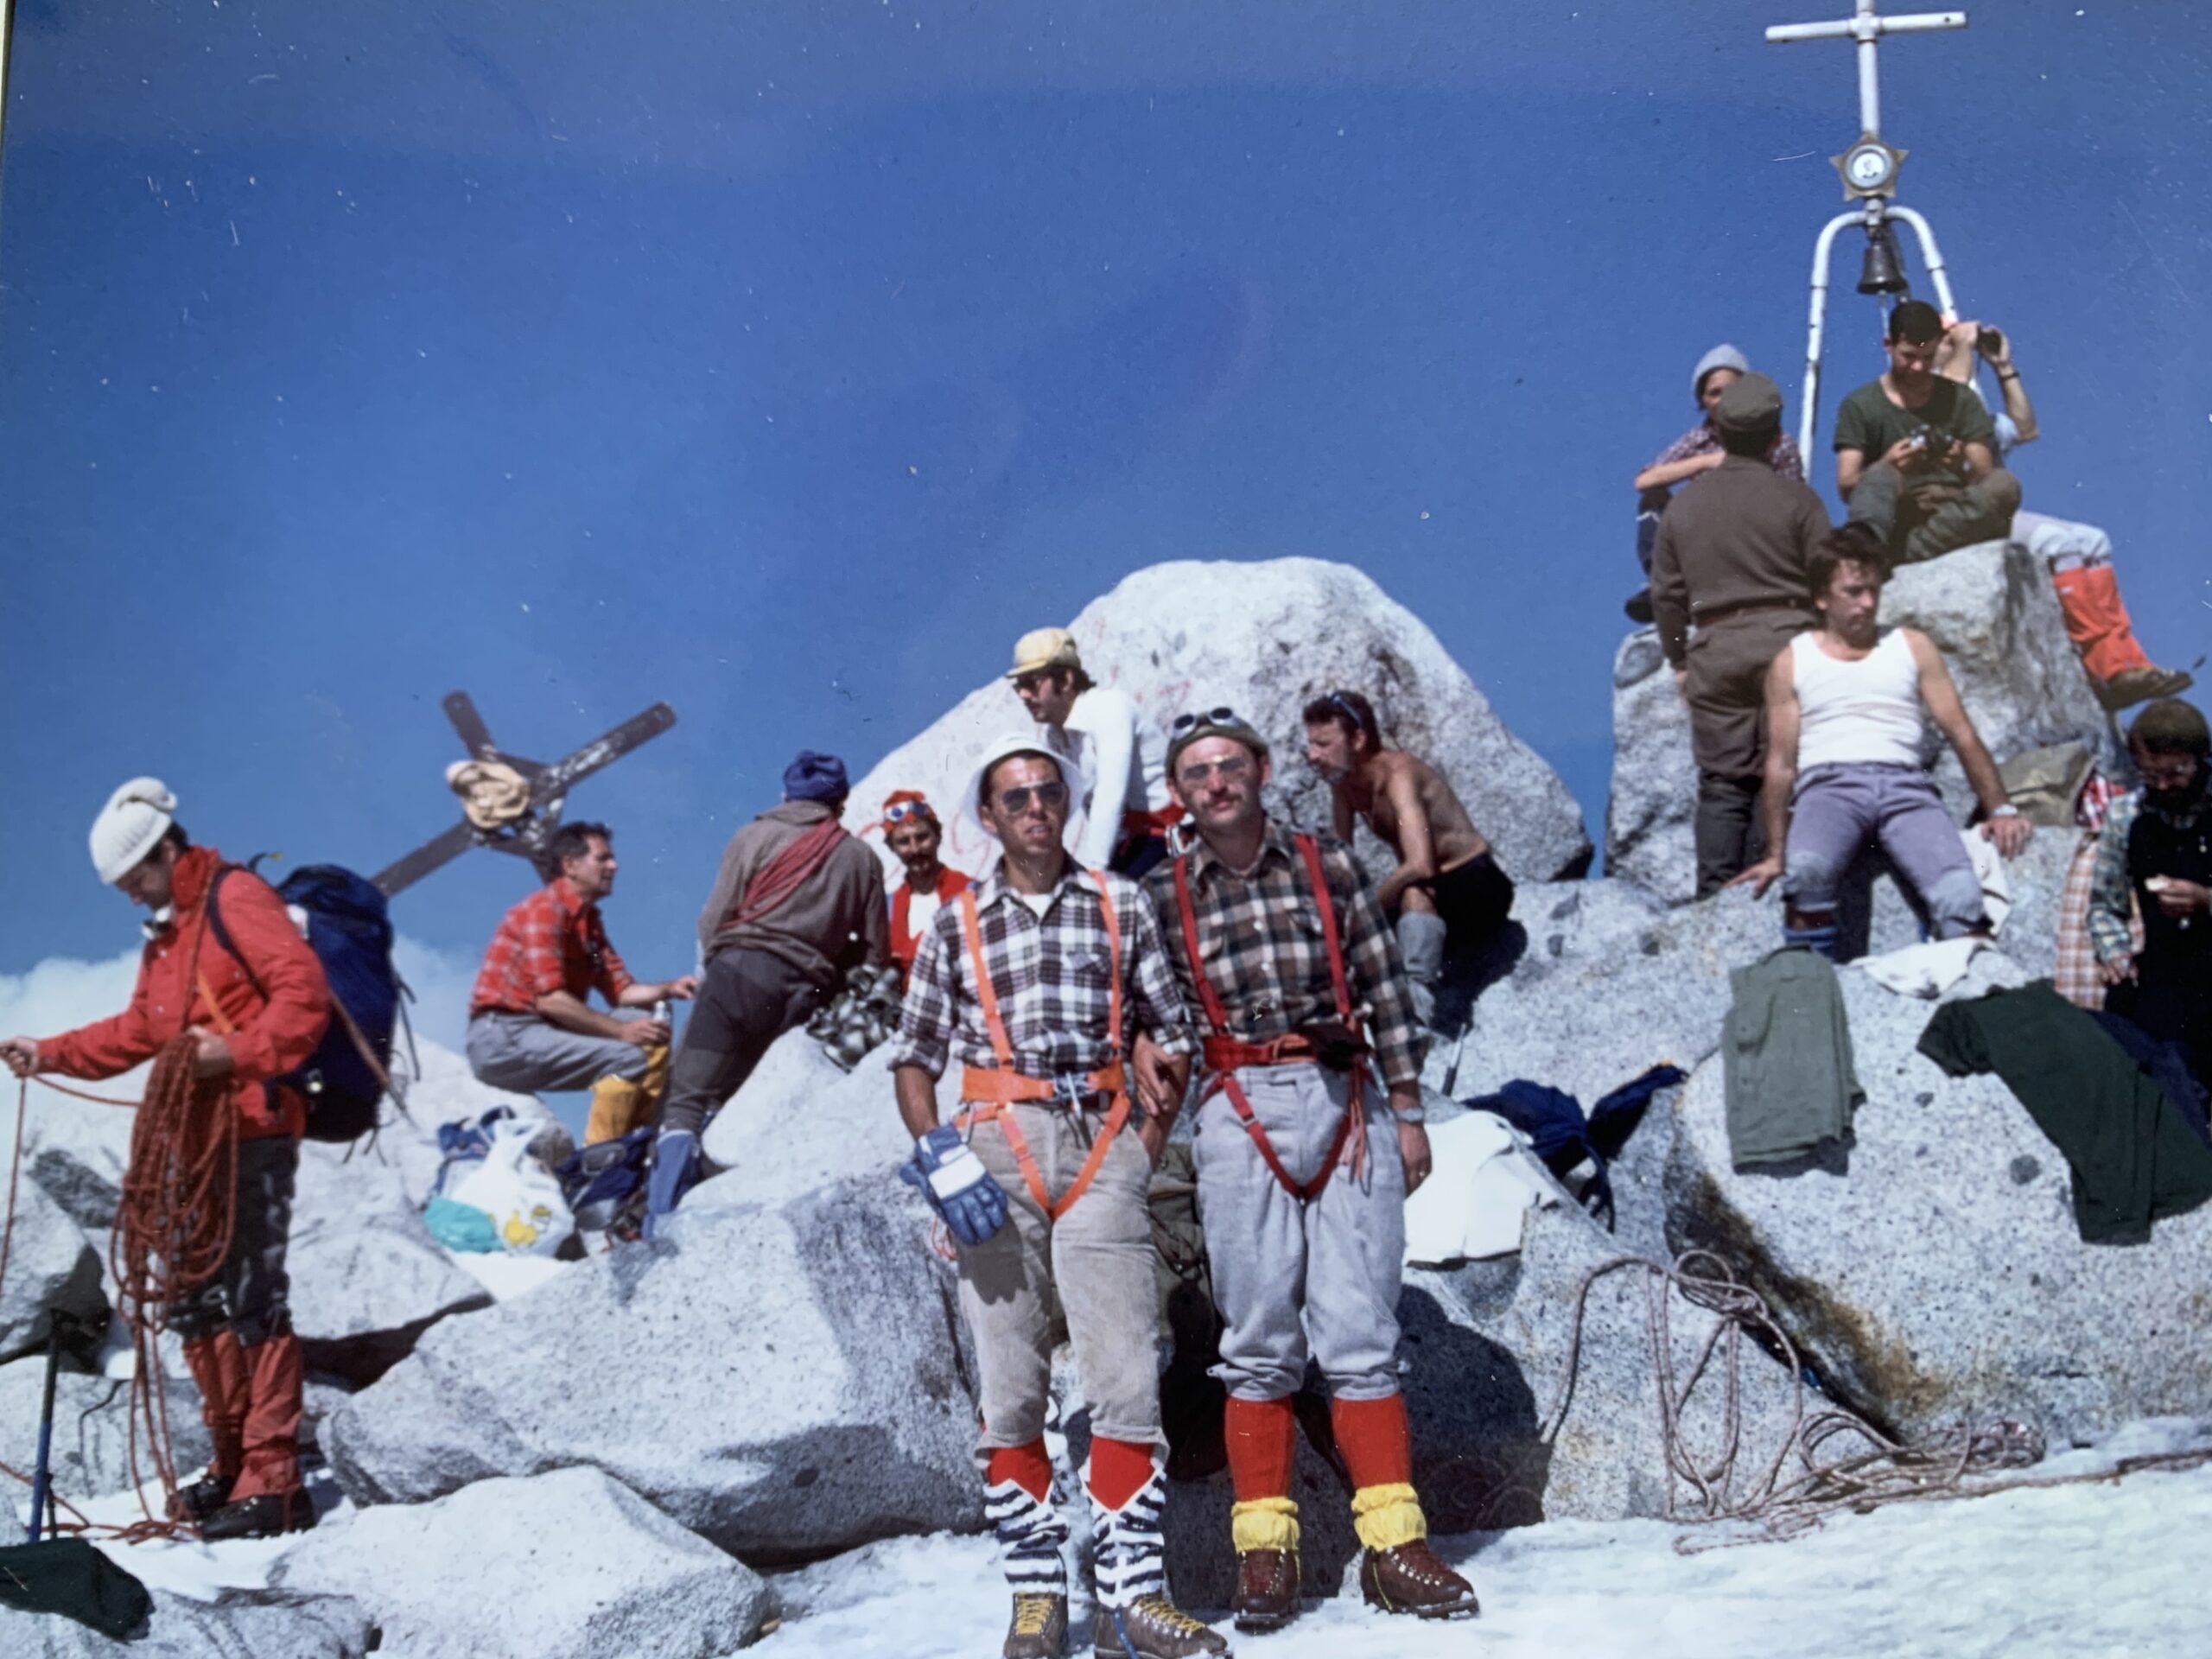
x=257 y=1011
x=912 y=831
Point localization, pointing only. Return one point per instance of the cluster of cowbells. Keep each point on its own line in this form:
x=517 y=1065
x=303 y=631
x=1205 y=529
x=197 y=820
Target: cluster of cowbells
x=859 y=1018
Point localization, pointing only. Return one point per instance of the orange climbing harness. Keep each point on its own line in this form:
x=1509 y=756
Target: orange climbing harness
x=989 y=1091
x=1224 y=1054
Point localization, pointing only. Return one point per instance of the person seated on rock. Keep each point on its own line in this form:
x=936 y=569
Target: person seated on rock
x=2155 y=856
x=1915 y=458
x=912 y=831
x=796 y=904
x=1127 y=811
x=1038 y=980
x=1303 y=1165
x=1731 y=558
x=1843 y=761
x=2078 y=555
x=1697 y=452
x=530 y=1027
x=255 y=1003
x=1447 y=894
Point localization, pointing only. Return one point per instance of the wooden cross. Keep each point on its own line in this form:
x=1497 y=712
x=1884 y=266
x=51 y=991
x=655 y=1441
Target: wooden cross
x=1866 y=26
x=549 y=791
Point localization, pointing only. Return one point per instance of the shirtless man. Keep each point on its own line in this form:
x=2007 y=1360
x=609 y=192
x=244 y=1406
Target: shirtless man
x=1448 y=893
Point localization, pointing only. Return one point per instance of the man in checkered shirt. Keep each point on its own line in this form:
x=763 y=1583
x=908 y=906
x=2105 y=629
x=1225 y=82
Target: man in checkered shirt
x=1302 y=1169
x=1020 y=979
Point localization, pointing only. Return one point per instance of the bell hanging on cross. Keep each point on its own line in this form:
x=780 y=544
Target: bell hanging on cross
x=1884 y=271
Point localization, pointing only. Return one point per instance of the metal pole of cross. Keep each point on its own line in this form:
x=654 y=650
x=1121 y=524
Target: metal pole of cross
x=1869 y=169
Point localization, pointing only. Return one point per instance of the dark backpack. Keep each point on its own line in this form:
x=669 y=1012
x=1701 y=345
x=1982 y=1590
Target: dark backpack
x=349 y=929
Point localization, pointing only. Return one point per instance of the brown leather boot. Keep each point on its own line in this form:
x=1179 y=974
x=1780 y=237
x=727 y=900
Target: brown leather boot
x=1154 y=1628
x=1267 y=1589
x=1411 y=1579
x=2133 y=685
x=1038 y=1628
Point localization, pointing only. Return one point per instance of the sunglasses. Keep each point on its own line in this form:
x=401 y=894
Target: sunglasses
x=1223 y=715
x=904 y=810
x=1034 y=680
x=1197 y=774
x=1017 y=799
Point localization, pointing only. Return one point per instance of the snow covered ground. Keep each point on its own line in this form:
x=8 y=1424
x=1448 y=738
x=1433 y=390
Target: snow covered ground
x=2089 y=1572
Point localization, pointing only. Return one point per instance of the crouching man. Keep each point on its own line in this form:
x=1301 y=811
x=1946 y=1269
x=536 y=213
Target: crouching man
x=253 y=996
x=1844 y=705
x=1036 y=980
x=1302 y=1172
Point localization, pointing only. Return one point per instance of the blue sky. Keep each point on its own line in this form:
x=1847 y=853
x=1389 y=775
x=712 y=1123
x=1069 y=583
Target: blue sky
x=786 y=361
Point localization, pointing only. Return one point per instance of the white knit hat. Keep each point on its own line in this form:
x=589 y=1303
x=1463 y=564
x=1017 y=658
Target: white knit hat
x=1017 y=743
x=135 y=818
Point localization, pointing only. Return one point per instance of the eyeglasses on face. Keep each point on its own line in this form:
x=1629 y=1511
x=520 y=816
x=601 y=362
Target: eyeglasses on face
x=1035 y=680
x=1050 y=796
x=2170 y=771
x=1198 y=773
x=1223 y=715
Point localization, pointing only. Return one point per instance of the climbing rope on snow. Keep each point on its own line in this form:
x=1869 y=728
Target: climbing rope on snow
x=1810 y=1478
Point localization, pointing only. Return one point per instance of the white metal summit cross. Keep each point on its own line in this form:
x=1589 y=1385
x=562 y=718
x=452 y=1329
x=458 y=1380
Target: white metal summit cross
x=1869 y=168
x=1866 y=26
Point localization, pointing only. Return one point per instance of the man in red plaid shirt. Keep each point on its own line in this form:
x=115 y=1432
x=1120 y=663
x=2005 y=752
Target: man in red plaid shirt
x=529 y=1025
x=1304 y=1163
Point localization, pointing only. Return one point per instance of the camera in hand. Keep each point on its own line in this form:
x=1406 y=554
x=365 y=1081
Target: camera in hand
x=1989 y=342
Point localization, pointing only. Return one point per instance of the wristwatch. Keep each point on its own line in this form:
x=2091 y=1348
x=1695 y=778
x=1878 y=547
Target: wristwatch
x=2007 y=810
x=1418 y=1115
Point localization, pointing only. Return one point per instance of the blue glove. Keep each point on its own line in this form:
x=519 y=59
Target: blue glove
x=952 y=1178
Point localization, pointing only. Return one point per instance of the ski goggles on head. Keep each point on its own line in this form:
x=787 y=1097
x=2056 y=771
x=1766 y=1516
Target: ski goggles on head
x=1224 y=715
x=1220 y=721
x=898 y=811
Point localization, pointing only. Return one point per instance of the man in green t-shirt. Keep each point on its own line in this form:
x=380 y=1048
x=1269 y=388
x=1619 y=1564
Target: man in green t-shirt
x=1915 y=454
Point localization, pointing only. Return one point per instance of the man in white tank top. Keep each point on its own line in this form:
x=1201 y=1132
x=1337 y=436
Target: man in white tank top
x=1844 y=707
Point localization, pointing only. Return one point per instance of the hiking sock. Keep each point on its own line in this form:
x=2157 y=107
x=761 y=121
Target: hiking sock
x=1262 y=1440
x=1420 y=942
x=1378 y=1453
x=1117 y=1470
x=2097 y=620
x=676 y=1163
x=1131 y=1558
x=1822 y=938
x=1018 y=1503
x=618 y=1106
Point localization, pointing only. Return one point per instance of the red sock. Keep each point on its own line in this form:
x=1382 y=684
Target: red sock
x=1372 y=1435
x=1262 y=1436
x=1119 y=1470
x=1029 y=1467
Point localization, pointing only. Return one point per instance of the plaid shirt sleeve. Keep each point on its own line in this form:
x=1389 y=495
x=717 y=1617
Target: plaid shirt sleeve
x=1698 y=441
x=1786 y=459
x=1156 y=1002
x=925 y=1017
x=1377 y=974
x=2112 y=896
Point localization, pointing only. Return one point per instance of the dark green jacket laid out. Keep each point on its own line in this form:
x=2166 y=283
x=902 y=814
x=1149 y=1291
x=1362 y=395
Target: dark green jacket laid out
x=1786 y=1060
x=2134 y=1158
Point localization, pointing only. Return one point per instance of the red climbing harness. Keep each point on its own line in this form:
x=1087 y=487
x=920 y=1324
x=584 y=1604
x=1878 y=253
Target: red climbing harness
x=990 y=1090
x=1225 y=1055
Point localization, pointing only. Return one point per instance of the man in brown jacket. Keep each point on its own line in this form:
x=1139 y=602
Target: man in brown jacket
x=1731 y=558
x=796 y=903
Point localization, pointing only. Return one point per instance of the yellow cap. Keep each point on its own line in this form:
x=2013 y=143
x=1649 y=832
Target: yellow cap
x=1043 y=648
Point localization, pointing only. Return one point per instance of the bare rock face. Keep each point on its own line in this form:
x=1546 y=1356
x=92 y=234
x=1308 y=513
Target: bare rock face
x=237 y=1624
x=784 y=1380
x=1935 y=1274
x=1990 y=609
x=569 y=1565
x=91 y=1429
x=51 y=1264
x=1264 y=639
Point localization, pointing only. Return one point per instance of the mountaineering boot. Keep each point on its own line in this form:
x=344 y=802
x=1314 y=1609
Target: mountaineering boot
x=1038 y=1628
x=1409 y=1578
x=1030 y=1534
x=1135 y=1620
x=1264 y=1531
x=267 y=1515
x=1420 y=942
x=2133 y=685
x=675 y=1165
x=1266 y=1598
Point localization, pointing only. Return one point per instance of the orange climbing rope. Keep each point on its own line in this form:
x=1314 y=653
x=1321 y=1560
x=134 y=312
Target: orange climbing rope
x=172 y=1233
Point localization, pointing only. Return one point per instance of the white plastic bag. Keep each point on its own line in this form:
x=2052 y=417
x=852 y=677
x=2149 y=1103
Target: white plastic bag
x=518 y=1193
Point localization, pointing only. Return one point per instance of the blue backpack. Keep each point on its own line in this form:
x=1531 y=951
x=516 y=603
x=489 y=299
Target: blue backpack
x=349 y=929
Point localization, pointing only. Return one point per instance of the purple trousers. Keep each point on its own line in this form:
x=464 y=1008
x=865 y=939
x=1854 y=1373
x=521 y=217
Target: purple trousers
x=1839 y=809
